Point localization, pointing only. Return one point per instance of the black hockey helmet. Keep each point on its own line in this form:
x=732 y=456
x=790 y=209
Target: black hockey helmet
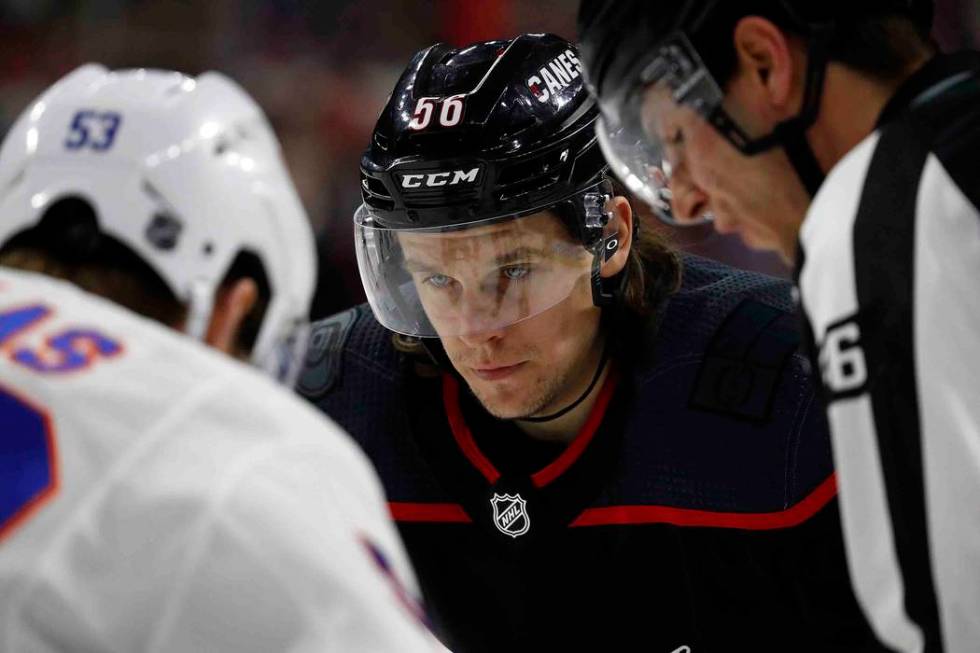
x=631 y=45
x=470 y=138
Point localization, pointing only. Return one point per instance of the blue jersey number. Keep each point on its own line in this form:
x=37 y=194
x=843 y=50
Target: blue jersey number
x=28 y=474
x=71 y=350
x=28 y=467
x=27 y=471
x=92 y=129
x=20 y=319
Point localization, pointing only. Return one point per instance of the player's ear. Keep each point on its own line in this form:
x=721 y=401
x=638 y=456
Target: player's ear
x=617 y=244
x=231 y=305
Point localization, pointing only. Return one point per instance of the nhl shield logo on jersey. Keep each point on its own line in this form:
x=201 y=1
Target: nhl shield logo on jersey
x=510 y=514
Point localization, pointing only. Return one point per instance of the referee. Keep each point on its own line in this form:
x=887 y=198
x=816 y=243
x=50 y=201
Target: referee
x=834 y=133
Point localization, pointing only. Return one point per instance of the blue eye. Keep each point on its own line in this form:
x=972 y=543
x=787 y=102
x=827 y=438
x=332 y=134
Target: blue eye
x=438 y=280
x=516 y=272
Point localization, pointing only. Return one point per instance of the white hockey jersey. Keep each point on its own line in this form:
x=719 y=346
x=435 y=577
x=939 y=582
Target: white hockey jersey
x=158 y=496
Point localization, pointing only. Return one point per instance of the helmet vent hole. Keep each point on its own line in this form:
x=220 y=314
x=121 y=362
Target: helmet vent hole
x=375 y=187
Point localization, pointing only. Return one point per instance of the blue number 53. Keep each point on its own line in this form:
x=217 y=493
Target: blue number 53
x=92 y=129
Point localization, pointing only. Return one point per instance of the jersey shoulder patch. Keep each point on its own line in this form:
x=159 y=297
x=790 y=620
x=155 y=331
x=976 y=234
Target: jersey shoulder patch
x=744 y=361
x=324 y=356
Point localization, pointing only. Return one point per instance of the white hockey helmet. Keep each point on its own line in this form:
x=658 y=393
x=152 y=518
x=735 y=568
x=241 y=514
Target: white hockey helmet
x=185 y=172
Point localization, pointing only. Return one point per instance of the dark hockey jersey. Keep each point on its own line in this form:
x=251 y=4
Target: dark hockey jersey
x=696 y=508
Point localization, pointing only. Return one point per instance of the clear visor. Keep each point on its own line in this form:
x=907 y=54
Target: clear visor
x=644 y=138
x=467 y=281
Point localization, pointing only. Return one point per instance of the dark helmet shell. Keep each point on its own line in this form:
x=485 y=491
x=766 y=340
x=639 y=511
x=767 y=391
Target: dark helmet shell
x=616 y=34
x=494 y=129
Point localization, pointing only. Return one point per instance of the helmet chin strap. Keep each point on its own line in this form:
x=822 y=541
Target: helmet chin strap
x=791 y=134
x=602 y=296
x=804 y=162
x=608 y=292
x=595 y=379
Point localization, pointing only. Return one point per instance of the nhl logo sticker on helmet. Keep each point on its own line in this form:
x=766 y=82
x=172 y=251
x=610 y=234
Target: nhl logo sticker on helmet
x=510 y=514
x=164 y=231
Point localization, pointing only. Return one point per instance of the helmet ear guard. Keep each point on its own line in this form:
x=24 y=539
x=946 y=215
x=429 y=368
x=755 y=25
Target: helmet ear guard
x=609 y=291
x=588 y=217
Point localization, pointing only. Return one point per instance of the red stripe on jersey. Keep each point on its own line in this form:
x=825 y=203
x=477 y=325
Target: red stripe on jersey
x=584 y=437
x=428 y=512
x=759 y=521
x=461 y=432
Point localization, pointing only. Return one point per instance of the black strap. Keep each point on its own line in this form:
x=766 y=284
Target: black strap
x=588 y=391
x=791 y=134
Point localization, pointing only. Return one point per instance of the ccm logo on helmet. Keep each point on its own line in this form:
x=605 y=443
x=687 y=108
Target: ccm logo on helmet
x=556 y=76
x=436 y=179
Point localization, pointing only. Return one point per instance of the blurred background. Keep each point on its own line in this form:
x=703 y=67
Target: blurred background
x=321 y=69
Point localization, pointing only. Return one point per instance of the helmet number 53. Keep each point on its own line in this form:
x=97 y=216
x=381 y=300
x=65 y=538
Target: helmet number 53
x=450 y=113
x=92 y=129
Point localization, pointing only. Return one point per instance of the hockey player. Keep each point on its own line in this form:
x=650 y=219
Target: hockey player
x=589 y=443
x=739 y=110
x=156 y=495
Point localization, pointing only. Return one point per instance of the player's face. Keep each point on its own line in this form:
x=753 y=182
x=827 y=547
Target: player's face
x=525 y=367
x=487 y=277
x=758 y=197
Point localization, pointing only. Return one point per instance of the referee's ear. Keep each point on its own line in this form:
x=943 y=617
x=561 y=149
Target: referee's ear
x=770 y=69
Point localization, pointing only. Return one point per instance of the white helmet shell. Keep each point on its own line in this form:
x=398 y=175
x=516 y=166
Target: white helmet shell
x=140 y=144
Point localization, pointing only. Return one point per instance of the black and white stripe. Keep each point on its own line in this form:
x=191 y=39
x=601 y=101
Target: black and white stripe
x=889 y=287
x=884 y=271
x=829 y=293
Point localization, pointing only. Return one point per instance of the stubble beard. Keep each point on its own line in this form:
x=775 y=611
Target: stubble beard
x=541 y=394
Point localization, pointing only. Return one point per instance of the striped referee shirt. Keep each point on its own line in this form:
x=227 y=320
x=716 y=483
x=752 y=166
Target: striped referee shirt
x=889 y=278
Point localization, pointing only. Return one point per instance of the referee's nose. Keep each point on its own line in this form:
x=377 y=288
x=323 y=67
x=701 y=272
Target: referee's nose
x=688 y=202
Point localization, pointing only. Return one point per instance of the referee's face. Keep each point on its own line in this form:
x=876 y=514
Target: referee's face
x=759 y=197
